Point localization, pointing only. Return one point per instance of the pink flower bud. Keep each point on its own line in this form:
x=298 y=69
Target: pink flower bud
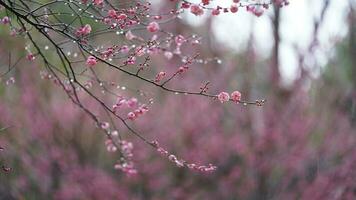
x=131 y=115
x=30 y=57
x=215 y=12
x=91 y=61
x=234 y=8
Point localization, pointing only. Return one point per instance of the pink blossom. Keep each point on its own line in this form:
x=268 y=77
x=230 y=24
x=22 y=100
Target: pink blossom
x=130 y=36
x=153 y=27
x=85 y=30
x=236 y=96
x=132 y=102
x=112 y=13
x=223 y=97
x=179 y=39
x=157 y=17
x=215 y=12
x=182 y=69
x=30 y=57
x=168 y=55
x=121 y=16
x=196 y=10
x=131 y=60
x=5 y=20
x=124 y=49
x=91 y=61
x=114 y=133
x=131 y=115
x=159 y=76
x=205 y=2
x=104 y=125
x=233 y=8
x=110 y=147
x=185 y=5
x=98 y=2
x=140 y=51
x=11 y=80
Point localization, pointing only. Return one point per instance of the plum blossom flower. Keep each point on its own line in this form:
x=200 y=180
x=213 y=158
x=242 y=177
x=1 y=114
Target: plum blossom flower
x=91 y=61
x=132 y=102
x=159 y=76
x=196 y=10
x=179 y=40
x=223 y=97
x=30 y=57
x=104 y=125
x=131 y=115
x=110 y=146
x=234 y=8
x=236 y=96
x=168 y=55
x=153 y=27
x=205 y=2
x=130 y=36
x=112 y=13
x=84 y=30
x=121 y=16
x=215 y=12
x=98 y=2
x=5 y=20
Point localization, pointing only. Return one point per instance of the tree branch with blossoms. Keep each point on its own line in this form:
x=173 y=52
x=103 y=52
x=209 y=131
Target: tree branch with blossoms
x=74 y=42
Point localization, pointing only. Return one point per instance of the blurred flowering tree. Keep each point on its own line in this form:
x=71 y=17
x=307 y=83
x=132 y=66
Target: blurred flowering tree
x=109 y=57
x=65 y=28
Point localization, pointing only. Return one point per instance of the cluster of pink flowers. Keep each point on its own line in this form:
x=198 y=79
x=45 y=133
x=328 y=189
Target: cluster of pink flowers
x=256 y=9
x=126 y=17
x=122 y=101
x=224 y=97
x=130 y=103
x=137 y=112
x=113 y=144
x=181 y=162
x=113 y=50
x=135 y=50
x=125 y=164
x=117 y=16
x=83 y=31
x=110 y=146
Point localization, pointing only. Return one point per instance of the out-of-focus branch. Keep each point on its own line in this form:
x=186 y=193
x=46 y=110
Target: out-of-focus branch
x=352 y=39
x=275 y=73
